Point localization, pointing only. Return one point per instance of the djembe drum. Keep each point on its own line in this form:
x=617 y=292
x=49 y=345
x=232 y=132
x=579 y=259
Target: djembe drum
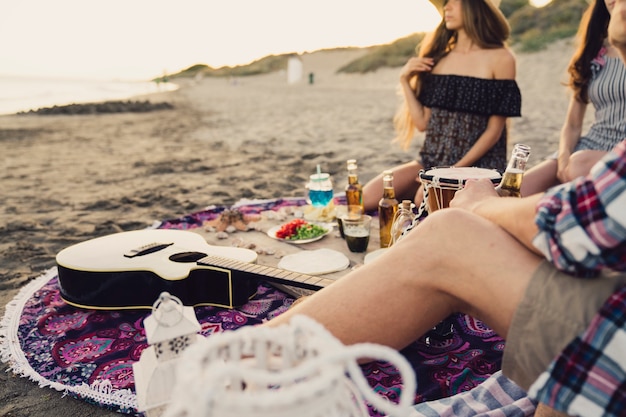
x=441 y=183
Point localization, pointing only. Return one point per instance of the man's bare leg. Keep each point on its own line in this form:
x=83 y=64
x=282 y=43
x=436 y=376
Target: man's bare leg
x=454 y=261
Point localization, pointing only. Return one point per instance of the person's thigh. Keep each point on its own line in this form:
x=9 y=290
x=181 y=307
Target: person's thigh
x=581 y=162
x=480 y=266
x=556 y=307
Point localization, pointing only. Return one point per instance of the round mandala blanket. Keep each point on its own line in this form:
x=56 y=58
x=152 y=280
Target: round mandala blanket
x=89 y=353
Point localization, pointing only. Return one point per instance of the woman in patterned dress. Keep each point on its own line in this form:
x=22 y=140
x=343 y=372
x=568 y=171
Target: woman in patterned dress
x=597 y=75
x=459 y=91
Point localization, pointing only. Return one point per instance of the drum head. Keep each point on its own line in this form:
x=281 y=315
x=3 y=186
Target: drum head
x=458 y=175
x=441 y=183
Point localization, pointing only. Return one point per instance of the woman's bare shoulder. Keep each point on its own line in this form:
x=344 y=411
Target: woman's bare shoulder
x=503 y=53
x=503 y=63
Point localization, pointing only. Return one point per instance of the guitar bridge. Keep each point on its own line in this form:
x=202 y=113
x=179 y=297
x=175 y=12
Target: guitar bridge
x=147 y=249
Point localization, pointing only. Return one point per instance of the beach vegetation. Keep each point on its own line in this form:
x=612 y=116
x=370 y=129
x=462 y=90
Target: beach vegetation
x=532 y=29
x=264 y=65
x=394 y=54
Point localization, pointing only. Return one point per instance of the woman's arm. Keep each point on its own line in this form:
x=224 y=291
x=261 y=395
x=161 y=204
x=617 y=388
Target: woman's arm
x=419 y=113
x=486 y=141
x=570 y=135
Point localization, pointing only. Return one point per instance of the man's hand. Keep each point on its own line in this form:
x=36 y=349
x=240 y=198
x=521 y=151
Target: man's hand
x=475 y=192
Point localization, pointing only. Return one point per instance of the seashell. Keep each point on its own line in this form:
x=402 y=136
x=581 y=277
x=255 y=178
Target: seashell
x=269 y=214
x=256 y=227
x=232 y=218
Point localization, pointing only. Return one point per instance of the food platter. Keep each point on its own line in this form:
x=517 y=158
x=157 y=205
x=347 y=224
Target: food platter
x=272 y=233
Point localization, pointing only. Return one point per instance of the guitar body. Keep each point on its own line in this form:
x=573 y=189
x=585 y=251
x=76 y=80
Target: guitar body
x=111 y=272
x=129 y=270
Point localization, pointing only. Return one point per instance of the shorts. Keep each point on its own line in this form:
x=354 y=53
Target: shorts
x=554 y=310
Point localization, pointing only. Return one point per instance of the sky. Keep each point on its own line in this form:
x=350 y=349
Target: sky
x=143 y=39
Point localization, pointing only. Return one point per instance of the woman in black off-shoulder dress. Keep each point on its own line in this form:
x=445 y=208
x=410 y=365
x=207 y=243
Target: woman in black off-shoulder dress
x=460 y=91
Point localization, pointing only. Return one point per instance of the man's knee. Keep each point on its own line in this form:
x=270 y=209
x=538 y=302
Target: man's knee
x=441 y=234
x=446 y=222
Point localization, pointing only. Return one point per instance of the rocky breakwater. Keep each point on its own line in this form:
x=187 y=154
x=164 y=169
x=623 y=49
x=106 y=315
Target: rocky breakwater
x=128 y=106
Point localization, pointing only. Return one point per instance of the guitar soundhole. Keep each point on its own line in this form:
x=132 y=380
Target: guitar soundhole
x=187 y=256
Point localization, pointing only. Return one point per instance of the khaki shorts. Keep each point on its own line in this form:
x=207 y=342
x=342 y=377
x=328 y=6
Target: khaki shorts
x=555 y=309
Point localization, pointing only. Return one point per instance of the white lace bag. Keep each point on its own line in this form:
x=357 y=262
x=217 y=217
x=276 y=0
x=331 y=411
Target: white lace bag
x=295 y=370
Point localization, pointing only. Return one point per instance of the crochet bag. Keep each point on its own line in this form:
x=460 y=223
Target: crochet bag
x=298 y=370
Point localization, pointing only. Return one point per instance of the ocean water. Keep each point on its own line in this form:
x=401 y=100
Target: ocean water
x=24 y=93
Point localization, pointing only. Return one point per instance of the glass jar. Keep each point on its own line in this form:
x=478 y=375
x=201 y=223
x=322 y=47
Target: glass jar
x=320 y=189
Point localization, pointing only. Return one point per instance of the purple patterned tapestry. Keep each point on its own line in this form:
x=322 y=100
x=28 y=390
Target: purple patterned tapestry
x=89 y=353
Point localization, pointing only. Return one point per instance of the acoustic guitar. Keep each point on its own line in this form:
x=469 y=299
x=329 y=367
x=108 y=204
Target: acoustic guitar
x=129 y=270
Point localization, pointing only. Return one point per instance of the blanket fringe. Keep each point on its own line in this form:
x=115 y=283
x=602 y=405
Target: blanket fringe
x=11 y=353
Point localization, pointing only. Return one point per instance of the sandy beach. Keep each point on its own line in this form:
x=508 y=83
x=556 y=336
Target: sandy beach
x=66 y=179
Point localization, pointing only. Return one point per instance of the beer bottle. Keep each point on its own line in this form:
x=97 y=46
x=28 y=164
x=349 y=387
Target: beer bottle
x=511 y=182
x=387 y=207
x=354 y=190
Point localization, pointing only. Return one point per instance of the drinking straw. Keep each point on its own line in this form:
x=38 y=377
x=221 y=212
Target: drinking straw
x=319 y=171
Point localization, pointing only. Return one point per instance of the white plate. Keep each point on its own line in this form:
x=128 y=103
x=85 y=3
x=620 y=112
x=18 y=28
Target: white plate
x=373 y=255
x=315 y=262
x=272 y=233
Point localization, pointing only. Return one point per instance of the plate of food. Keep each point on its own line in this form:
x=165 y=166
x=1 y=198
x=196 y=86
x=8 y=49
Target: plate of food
x=299 y=231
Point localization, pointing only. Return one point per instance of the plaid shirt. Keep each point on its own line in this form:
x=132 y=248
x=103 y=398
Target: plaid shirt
x=497 y=396
x=582 y=230
x=582 y=224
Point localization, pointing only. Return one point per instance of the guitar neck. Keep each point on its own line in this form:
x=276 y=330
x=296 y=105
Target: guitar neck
x=267 y=273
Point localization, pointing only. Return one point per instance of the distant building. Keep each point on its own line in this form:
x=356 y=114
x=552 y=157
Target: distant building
x=294 y=69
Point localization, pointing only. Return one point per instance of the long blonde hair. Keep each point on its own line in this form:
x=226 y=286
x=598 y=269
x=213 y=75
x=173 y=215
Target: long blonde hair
x=486 y=26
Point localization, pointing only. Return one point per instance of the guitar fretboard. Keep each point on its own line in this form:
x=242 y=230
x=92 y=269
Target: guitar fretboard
x=268 y=273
